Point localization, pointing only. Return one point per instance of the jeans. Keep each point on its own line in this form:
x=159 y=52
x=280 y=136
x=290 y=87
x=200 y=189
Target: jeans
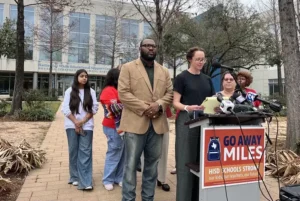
x=80 y=158
x=114 y=161
x=150 y=143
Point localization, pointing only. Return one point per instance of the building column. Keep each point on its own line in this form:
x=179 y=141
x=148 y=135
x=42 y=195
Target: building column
x=65 y=52
x=35 y=80
x=92 y=39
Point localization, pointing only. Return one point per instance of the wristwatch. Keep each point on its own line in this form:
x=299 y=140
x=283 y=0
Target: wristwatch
x=185 y=108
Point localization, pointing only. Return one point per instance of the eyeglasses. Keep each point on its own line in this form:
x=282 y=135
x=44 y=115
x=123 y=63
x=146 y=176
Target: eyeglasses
x=228 y=79
x=149 y=45
x=201 y=60
x=241 y=79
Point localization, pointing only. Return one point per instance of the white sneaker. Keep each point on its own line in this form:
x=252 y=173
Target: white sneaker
x=75 y=183
x=89 y=188
x=120 y=184
x=109 y=187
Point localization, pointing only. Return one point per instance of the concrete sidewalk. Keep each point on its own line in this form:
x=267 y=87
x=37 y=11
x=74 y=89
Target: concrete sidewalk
x=50 y=182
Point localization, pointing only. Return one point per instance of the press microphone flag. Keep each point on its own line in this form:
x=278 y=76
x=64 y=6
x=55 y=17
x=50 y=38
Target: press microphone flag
x=276 y=107
x=251 y=96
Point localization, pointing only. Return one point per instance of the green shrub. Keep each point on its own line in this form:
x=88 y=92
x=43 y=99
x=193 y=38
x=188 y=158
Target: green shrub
x=3 y=108
x=37 y=114
x=34 y=99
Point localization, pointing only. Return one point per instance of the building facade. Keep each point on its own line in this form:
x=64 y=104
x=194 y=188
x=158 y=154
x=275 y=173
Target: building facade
x=91 y=46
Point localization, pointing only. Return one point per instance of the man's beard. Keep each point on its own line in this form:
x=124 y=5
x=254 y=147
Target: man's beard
x=147 y=57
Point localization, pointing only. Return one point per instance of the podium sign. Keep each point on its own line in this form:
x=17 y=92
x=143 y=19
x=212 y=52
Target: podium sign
x=227 y=146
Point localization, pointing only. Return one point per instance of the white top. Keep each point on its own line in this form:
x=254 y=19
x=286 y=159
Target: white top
x=89 y=125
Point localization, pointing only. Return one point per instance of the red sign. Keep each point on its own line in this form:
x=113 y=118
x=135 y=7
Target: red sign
x=239 y=156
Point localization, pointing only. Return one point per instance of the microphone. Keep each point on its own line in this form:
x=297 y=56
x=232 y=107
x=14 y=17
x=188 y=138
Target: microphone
x=238 y=98
x=226 y=105
x=218 y=65
x=241 y=103
x=276 y=107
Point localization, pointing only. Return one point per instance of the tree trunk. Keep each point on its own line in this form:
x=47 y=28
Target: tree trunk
x=278 y=54
x=50 y=74
x=114 y=44
x=51 y=52
x=279 y=79
x=291 y=60
x=160 y=54
x=174 y=68
x=160 y=29
x=113 y=55
x=19 y=76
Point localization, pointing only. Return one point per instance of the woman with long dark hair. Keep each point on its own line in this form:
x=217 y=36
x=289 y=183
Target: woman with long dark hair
x=79 y=106
x=114 y=161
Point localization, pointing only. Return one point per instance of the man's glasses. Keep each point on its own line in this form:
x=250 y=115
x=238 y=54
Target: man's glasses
x=228 y=79
x=149 y=45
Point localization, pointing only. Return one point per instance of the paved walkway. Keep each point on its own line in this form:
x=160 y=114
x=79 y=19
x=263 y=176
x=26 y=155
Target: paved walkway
x=50 y=182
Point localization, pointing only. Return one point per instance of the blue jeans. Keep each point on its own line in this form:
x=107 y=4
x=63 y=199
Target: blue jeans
x=80 y=158
x=150 y=143
x=114 y=161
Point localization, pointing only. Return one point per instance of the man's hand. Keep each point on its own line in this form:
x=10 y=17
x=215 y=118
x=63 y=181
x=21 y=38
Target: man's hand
x=154 y=116
x=152 y=109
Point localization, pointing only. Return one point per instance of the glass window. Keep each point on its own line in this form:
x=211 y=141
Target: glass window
x=105 y=30
x=274 y=87
x=29 y=23
x=4 y=85
x=147 y=29
x=130 y=30
x=80 y=36
x=1 y=14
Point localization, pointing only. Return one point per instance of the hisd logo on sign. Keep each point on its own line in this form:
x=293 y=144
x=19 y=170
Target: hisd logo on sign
x=213 y=153
x=227 y=146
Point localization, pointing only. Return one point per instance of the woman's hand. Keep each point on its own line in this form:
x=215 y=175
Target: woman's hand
x=217 y=110
x=195 y=107
x=78 y=123
x=78 y=130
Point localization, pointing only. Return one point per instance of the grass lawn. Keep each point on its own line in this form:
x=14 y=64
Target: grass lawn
x=53 y=105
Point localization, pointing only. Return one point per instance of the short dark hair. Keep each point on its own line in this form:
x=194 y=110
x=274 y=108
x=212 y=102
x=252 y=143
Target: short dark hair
x=191 y=52
x=228 y=72
x=141 y=43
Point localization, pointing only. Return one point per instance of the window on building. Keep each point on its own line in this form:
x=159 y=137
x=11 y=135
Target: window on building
x=29 y=23
x=105 y=36
x=147 y=29
x=79 y=49
x=7 y=82
x=45 y=35
x=1 y=14
x=273 y=86
x=130 y=30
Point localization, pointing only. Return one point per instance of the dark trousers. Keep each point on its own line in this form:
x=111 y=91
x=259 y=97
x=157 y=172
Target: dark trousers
x=187 y=148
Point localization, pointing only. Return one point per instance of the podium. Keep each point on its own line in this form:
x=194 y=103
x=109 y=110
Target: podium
x=224 y=146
